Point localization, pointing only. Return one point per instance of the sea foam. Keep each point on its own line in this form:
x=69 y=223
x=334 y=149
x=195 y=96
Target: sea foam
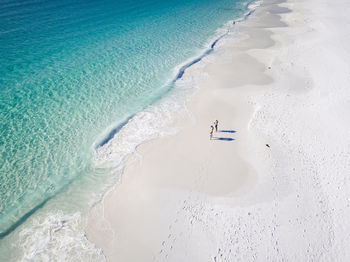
x=58 y=236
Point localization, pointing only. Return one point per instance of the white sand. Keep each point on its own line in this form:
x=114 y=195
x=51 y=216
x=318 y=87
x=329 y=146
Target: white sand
x=192 y=199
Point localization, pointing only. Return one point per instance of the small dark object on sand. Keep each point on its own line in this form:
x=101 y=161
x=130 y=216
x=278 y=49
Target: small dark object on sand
x=267 y=145
x=269 y=67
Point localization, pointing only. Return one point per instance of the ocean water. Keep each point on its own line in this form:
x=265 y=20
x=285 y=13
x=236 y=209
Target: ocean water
x=82 y=83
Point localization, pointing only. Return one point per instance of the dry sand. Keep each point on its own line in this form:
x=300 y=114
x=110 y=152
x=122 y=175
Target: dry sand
x=233 y=198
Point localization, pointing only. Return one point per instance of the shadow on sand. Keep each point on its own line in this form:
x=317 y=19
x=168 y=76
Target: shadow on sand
x=227 y=131
x=223 y=138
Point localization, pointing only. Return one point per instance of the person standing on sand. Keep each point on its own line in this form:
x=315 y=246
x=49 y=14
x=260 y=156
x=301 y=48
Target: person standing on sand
x=216 y=125
x=211 y=132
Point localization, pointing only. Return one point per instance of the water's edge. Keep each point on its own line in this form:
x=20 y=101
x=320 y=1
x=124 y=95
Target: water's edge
x=178 y=76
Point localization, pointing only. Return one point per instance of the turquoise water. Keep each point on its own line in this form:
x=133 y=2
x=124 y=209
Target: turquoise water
x=71 y=72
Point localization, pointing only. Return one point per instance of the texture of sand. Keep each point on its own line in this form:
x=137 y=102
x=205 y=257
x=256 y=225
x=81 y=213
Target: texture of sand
x=188 y=198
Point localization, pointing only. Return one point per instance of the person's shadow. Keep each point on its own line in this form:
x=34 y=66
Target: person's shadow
x=227 y=131
x=225 y=138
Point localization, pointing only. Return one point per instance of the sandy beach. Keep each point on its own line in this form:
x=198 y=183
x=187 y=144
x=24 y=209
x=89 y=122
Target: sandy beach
x=273 y=183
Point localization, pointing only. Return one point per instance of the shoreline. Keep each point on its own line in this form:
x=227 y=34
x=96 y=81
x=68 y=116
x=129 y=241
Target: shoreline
x=253 y=191
x=180 y=71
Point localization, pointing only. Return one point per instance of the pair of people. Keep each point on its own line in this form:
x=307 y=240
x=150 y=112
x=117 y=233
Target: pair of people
x=216 y=123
